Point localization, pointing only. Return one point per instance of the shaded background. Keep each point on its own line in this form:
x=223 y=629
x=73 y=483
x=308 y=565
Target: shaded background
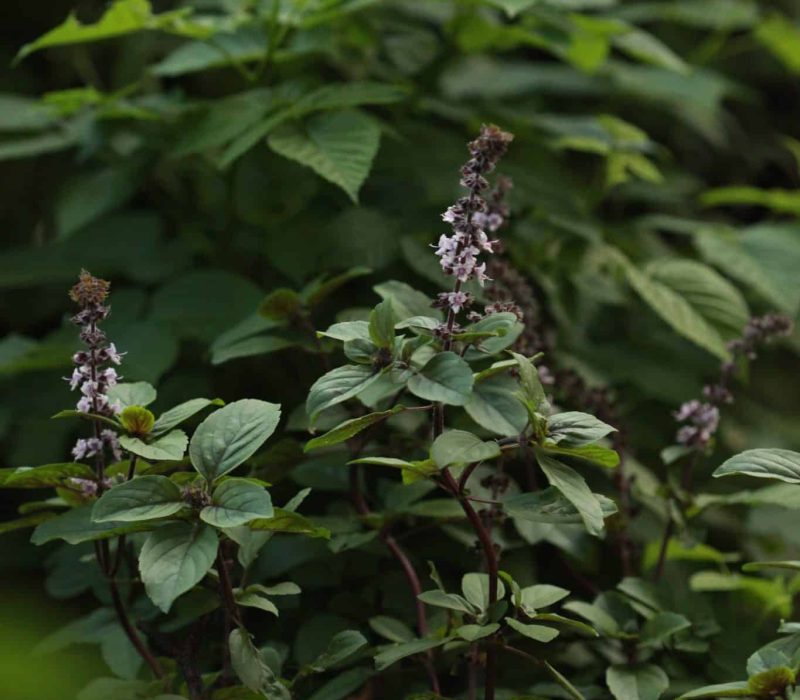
x=620 y=142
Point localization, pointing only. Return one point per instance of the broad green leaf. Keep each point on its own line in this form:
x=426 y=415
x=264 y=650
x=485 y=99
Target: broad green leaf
x=176 y=415
x=137 y=420
x=472 y=633
x=26 y=521
x=347 y=330
x=475 y=588
x=596 y=454
x=337 y=386
x=174 y=559
x=598 y=616
x=551 y=506
x=391 y=628
x=574 y=489
x=142 y=498
x=76 y=526
x=710 y=294
x=539 y=633
x=736 y=689
x=132 y=394
x=381 y=324
x=338 y=146
x=231 y=436
x=676 y=311
x=171 y=446
x=494 y=406
x=343 y=645
x=236 y=502
x=448 y=601
x=343 y=684
x=445 y=378
x=122 y=17
x=661 y=627
x=344 y=431
x=532 y=390
x=395 y=653
x=406 y=301
x=781 y=465
x=645 y=47
x=640 y=682
x=251 y=668
x=223 y=49
x=288 y=521
x=461 y=447
x=567 y=622
x=45 y=476
x=541 y=595
x=249 y=599
x=574 y=429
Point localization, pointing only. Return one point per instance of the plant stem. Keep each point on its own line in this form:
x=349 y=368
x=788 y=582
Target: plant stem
x=131 y=633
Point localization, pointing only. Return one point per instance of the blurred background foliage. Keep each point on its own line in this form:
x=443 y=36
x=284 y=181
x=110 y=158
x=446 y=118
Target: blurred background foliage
x=202 y=154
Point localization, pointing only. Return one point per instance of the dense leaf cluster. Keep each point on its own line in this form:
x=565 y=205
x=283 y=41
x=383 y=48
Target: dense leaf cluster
x=416 y=483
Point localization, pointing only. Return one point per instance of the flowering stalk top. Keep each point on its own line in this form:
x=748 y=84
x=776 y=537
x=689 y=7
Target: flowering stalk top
x=471 y=217
x=701 y=418
x=91 y=374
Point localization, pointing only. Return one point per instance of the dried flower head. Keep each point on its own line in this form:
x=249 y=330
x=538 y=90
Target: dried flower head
x=89 y=290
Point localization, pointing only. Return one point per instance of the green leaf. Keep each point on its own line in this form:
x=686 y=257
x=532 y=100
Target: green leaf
x=236 y=502
x=574 y=488
x=343 y=685
x=782 y=465
x=472 y=633
x=176 y=415
x=541 y=595
x=782 y=37
x=25 y=522
x=281 y=305
x=676 y=311
x=406 y=301
x=343 y=645
x=641 y=682
x=532 y=391
x=539 y=633
x=759 y=565
x=574 y=429
x=132 y=394
x=445 y=378
x=461 y=447
x=737 y=689
x=142 y=498
x=137 y=420
x=338 y=146
x=337 y=386
x=661 y=627
x=347 y=330
x=390 y=628
x=123 y=17
x=598 y=616
x=494 y=406
x=596 y=454
x=559 y=678
x=171 y=446
x=381 y=325
x=319 y=289
x=45 y=476
x=448 y=601
x=710 y=294
x=568 y=622
x=551 y=506
x=231 y=436
x=475 y=588
x=350 y=428
x=249 y=665
x=395 y=653
x=76 y=526
x=645 y=47
x=174 y=558
x=288 y=521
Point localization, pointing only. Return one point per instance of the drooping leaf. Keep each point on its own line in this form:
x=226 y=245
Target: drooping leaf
x=76 y=526
x=43 y=476
x=338 y=146
x=251 y=668
x=781 y=465
x=142 y=498
x=231 y=436
x=287 y=521
x=539 y=633
x=574 y=489
x=336 y=386
x=494 y=406
x=350 y=428
x=551 y=506
x=343 y=645
x=661 y=627
x=575 y=429
x=395 y=653
x=174 y=559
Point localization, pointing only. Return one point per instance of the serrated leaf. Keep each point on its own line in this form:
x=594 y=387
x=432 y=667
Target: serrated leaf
x=350 y=428
x=174 y=558
x=338 y=146
x=142 y=498
x=231 y=436
x=445 y=378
